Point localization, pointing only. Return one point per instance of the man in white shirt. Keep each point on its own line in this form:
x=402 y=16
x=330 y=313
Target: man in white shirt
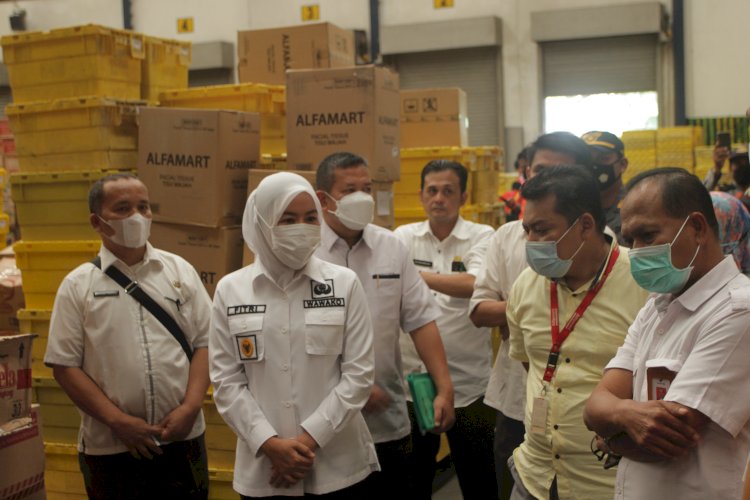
x=139 y=393
x=398 y=300
x=448 y=252
x=505 y=260
x=674 y=401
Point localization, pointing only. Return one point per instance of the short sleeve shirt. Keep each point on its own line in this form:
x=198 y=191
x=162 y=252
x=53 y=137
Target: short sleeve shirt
x=125 y=350
x=398 y=299
x=704 y=337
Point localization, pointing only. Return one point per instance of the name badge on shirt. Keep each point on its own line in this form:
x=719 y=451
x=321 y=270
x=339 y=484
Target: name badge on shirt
x=539 y=415
x=422 y=263
x=106 y=293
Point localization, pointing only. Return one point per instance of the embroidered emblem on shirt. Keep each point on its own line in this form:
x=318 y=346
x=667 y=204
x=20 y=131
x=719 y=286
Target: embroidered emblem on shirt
x=422 y=263
x=246 y=309
x=247 y=347
x=321 y=290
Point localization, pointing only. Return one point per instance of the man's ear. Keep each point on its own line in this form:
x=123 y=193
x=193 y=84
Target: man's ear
x=700 y=225
x=322 y=198
x=588 y=224
x=464 y=197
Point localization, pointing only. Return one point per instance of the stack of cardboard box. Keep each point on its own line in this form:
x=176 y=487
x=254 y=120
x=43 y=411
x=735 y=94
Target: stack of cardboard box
x=21 y=446
x=195 y=164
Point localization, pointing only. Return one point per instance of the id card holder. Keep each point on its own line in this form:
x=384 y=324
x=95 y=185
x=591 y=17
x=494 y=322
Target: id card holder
x=539 y=409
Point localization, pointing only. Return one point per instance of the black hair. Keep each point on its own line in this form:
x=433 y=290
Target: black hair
x=523 y=155
x=96 y=193
x=561 y=142
x=575 y=190
x=325 y=175
x=442 y=165
x=682 y=193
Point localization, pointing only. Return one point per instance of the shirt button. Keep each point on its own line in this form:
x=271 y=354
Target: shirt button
x=285 y=367
x=559 y=390
x=288 y=404
x=555 y=426
x=660 y=331
x=283 y=330
x=557 y=456
x=567 y=360
x=244 y=324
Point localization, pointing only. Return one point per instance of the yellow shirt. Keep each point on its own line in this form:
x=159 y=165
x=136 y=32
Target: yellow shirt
x=564 y=449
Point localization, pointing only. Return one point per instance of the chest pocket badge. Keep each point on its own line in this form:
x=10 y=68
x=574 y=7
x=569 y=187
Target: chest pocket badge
x=247 y=345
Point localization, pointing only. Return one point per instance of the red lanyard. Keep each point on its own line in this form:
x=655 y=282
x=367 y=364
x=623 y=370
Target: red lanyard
x=558 y=337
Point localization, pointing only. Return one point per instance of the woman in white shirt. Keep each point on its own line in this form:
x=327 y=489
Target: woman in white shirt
x=290 y=353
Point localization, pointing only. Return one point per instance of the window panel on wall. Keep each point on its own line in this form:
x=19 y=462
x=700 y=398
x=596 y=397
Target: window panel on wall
x=474 y=70
x=600 y=65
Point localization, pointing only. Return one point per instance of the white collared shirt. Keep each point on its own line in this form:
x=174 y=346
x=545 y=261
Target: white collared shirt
x=125 y=350
x=468 y=348
x=704 y=336
x=286 y=360
x=398 y=299
x=504 y=261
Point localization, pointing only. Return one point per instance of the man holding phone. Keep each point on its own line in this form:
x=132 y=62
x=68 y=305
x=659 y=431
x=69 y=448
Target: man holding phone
x=739 y=167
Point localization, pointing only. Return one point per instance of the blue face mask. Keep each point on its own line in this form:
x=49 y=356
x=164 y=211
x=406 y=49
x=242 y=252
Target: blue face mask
x=542 y=257
x=653 y=270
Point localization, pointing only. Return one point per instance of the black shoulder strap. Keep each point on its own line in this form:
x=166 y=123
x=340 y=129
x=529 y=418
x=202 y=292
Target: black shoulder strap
x=134 y=290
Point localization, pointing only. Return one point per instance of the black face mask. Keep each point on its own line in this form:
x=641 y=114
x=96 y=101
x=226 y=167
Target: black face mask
x=605 y=175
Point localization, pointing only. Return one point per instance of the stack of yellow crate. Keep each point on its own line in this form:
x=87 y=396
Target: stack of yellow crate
x=268 y=100
x=76 y=95
x=640 y=149
x=484 y=164
x=675 y=146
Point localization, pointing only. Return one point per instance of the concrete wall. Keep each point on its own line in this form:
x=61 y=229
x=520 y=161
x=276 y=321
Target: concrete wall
x=717 y=66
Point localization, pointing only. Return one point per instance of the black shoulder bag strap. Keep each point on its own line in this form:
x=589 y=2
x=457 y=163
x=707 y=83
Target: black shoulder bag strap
x=134 y=290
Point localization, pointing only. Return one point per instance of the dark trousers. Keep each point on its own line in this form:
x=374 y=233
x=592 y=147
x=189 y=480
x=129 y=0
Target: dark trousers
x=353 y=492
x=470 y=440
x=394 y=478
x=508 y=436
x=180 y=472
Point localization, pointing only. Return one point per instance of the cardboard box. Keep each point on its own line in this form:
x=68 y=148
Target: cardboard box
x=214 y=252
x=434 y=118
x=352 y=109
x=265 y=55
x=15 y=377
x=11 y=295
x=195 y=163
x=22 y=456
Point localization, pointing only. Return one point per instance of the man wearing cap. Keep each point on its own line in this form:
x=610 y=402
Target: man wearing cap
x=739 y=167
x=608 y=153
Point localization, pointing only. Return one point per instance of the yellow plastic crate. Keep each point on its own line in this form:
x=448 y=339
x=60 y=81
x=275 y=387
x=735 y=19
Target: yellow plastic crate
x=36 y=321
x=69 y=62
x=268 y=100
x=84 y=161
x=54 y=206
x=74 y=125
x=273 y=162
x=4 y=225
x=220 y=484
x=60 y=417
x=44 y=264
x=62 y=474
x=165 y=66
x=484 y=187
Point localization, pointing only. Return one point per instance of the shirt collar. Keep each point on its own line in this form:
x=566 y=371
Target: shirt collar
x=313 y=270
x=329 y=238
x=460 y=229
x=593 y=281
x=706 y=287
x=151 y=255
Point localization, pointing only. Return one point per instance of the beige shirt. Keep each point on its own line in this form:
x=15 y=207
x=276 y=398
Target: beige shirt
x=125 y=350
x=468 y=348
x=704 y=336
x=398 y=299
x=286 y=360
x=563 y=450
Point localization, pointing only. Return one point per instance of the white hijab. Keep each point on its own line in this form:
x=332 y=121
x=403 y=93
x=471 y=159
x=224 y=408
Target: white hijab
x=268 y=202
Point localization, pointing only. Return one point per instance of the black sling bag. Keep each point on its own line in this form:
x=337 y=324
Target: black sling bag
x=134 y=290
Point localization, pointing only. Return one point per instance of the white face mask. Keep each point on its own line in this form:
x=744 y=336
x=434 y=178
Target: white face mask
x=355 y=210
x=294 y=244
x=132 y=232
